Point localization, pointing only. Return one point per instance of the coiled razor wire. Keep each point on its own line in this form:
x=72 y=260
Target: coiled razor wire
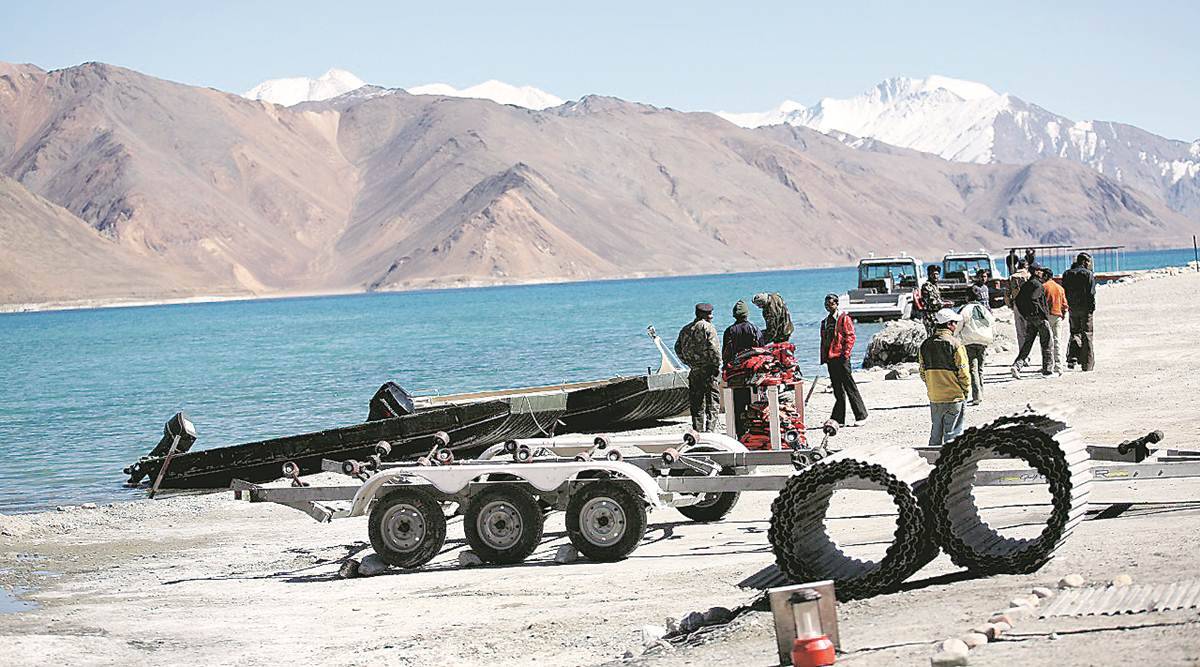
x=935 y=508
x=1041 y=438
x=804 y=551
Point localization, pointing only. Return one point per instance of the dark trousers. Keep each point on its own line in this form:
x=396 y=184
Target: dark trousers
x=975 y=357
x=1079 y=349
x=844 y=388
x=1039 y=330
x=703 y=399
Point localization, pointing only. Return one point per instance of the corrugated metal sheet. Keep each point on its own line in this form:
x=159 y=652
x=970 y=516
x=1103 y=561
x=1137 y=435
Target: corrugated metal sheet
x=1114 y=600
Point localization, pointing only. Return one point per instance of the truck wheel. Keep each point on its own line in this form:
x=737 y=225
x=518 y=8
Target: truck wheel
x=407 y=528
x=606 y=521
x=503 y=524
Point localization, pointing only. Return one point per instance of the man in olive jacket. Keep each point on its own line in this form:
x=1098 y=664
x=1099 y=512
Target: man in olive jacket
x=697 y=347
x=947 y=377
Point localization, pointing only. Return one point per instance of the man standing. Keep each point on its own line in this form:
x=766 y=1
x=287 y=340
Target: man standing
x=1056 y=302
x=742 y=335
x=947 y=377
x=1015 y=280
x=976 y=334
x=776 y=316
x=980 y=289
x=1035 y=313
x=931 y=298
x=697 y=347
x=1079 y=283
x=837 y=342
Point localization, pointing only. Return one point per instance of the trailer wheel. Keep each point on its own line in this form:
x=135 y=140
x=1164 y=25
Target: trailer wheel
x=503 y=524
x=712 y=506
x=407 y=528
x=606 y=521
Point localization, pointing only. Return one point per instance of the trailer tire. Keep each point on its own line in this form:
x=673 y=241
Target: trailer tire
x=503 y=524
x=407 y=528
x=606 y=520
x=714 y=507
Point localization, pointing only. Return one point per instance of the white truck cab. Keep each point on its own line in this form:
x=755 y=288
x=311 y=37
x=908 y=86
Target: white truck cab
x=885 y=288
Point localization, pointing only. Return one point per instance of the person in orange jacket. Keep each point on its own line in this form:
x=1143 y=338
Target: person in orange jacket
x=837 y=342
x=1056 y=298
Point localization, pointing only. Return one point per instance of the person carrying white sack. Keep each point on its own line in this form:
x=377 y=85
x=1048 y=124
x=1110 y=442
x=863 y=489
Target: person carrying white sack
x=975 y=332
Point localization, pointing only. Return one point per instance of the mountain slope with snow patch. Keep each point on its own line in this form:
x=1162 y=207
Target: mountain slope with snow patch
x=291 y=91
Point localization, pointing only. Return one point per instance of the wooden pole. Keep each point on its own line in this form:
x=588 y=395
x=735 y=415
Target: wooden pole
x=1196 y=252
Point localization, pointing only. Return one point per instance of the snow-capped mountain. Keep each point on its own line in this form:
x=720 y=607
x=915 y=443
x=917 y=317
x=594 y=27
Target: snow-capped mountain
x=496 y=91
x=288 y=92
x=335 y=82
x=966 y=121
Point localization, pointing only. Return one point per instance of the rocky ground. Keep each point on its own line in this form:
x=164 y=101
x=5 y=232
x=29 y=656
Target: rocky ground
x=202 y=579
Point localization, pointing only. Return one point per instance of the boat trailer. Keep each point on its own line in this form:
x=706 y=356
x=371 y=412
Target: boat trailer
x=604 y=484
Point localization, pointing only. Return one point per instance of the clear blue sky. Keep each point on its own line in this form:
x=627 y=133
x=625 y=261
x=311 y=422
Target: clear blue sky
x=1135 y=62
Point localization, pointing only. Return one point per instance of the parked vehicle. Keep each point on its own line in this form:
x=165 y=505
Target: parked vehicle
x=958 y=272
x=885 y=288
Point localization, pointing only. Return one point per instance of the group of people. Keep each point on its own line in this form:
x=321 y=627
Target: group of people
x=951 y=358
x=697 y=347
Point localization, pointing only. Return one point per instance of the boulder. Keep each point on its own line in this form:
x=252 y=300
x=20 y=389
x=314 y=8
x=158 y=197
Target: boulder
x=943 y=659
x=895 y=374
x=372 y=565
x=1070 y=581
x=974 y=639
x=897 y=342
x=349 y=569
x=691 y=622
x=955 y=646
x=566 y=554
x=469 y=559
x=1042 y=592
x=1121 y=580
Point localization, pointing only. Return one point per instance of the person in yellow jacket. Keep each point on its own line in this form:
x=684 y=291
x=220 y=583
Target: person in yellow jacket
x=947 y=376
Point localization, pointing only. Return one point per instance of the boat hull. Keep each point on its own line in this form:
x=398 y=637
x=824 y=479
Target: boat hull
x=626 y=403
x=472 y=428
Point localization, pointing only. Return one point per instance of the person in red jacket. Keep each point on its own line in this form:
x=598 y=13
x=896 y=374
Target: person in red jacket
x=837 y=342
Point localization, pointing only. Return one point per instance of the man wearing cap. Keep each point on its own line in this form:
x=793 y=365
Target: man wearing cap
x=931 y=298
x=1080 y=285
x=697 y=347
x=837 y=342
x=742 y=335
x=947 y=377
x=775 y=315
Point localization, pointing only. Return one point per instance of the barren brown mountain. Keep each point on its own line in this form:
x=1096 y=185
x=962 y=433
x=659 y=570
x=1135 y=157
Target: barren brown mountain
x=120 y=185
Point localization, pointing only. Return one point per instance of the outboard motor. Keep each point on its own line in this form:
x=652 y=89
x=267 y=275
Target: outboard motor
x=390 y=402
x=180 y=426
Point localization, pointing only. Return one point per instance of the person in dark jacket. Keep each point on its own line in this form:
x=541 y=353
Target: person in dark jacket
x=837 y=342
x=742 y=335
x=1080 y=285
x=1031 y=303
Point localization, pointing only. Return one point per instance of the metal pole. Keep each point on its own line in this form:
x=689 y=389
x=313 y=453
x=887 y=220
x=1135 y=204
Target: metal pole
x=1196 y=252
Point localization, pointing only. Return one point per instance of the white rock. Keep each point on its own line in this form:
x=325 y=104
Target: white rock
x=652 y=633
x=469 y=558
x=1019 y=613
x=1042 y=592
x=566 y=554
x=974 y=639
x=944 y=659
x=372 y=565
x=1121 y=580
x=1001 y=628
x=954 y=646
x=88 y=506
x=349 y=569
x=1070 y=581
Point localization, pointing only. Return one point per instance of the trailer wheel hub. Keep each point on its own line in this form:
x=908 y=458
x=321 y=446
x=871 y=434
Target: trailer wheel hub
x=499 y=524
x=602 y=521
x=403 y=527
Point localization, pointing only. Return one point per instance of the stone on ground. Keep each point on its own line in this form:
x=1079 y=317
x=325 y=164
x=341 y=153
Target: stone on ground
x=652 y=633
x=469 y=558
x=349 y=569
x=897 y=342
x=974 y=639
x=955 y=646
x=1042 y=592
x=1071 y=581
x=372 y=565
x=566 y=554
x=944 y=659
x=1121 y=580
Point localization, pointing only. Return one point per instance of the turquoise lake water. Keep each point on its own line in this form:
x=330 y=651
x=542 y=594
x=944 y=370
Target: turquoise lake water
x=84 y=393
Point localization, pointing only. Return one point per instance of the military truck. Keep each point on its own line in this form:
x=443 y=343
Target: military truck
x=885 y=288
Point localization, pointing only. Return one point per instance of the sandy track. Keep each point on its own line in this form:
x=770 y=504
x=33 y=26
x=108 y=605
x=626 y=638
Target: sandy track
x=203 y=579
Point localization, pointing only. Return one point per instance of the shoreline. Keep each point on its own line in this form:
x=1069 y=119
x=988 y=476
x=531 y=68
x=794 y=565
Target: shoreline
x=177 y=580
x=105 y=303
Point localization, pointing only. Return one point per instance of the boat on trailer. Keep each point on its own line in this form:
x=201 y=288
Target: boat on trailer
x=410 y=425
